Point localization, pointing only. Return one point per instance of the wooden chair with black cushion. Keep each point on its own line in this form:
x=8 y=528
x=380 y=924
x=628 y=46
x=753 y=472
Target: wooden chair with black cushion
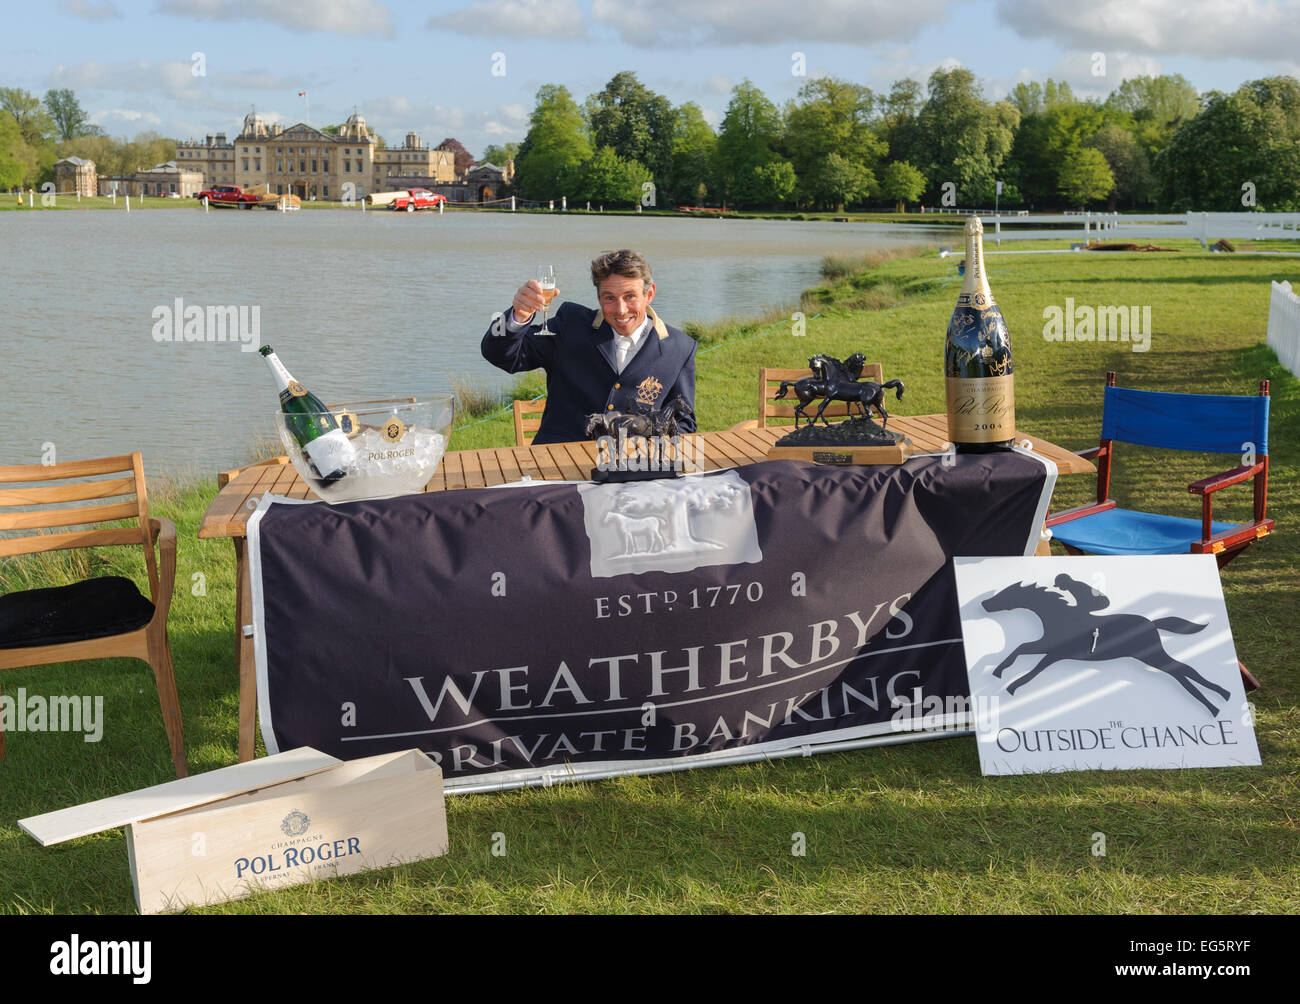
x=774 y=412
x=97 y=618
x=526 y=425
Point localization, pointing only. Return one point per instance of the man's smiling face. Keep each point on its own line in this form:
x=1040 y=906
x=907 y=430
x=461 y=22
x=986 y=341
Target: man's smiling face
x=623 y=301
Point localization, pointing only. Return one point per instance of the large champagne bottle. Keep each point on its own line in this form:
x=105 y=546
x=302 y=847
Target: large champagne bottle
x=977 y=361
x=328 y=450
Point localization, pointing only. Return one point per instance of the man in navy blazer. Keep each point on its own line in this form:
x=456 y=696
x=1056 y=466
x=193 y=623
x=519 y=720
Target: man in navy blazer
x=620 y=357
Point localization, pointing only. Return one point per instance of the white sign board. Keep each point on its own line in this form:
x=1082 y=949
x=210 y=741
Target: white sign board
x=1102 y=663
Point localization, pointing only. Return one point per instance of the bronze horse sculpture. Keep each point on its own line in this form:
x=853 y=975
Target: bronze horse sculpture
x=833 y=380
x=632 y=424
x=825 y=370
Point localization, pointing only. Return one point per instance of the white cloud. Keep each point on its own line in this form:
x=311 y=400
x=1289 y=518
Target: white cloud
x=681 y=23
x=1212 y=29
x=527 y=19
x=508 y=120
x=344 y=17
x=88 y=11
x=173 y=78
x=126 y=115
x=718 y=85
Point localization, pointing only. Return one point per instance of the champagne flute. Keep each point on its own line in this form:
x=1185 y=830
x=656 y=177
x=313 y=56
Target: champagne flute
x=546 y=276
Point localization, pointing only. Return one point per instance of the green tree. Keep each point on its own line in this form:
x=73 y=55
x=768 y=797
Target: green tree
x=835 y=181
x=832 y=117
x=1044 y=142
x=635 y=121
x=1134 y=184
x=1085 y=177
x=105 y=151
x=897 y=122
x=33 y=121
x=499 y=154
x=18 y=163
x=690 y=170
x=964 y=139
x=1156 y=106
x=556 y=145
x=901 y=183
x=767 y=183
x=70 y=119
x=746 y=143
x=608 y=179
x=1242 y=148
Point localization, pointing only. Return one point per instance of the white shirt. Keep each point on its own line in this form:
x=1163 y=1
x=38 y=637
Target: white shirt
x=626 y=346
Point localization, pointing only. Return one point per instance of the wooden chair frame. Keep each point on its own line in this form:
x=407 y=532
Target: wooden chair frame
x=769 y=381
x=1224 y=546
x=526 y=425
x=148 y=643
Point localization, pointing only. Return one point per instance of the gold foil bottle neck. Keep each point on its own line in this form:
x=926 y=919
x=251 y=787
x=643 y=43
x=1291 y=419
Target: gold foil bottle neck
x=975 y=283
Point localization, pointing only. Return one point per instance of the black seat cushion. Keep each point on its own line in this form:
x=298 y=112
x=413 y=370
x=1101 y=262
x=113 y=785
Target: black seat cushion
x=95 y=608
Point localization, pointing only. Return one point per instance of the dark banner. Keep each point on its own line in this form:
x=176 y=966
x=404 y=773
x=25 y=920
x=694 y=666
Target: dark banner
x=542 y=631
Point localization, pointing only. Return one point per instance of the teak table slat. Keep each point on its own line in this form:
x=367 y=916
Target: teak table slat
x=228 y=514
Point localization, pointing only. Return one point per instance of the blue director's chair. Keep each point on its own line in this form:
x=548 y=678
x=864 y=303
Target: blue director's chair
x=1201 y=423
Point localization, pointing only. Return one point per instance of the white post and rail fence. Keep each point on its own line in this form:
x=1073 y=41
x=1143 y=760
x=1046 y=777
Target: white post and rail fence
x=1284 y=326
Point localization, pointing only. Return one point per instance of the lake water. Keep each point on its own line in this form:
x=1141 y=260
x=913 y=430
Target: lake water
x=357 y=306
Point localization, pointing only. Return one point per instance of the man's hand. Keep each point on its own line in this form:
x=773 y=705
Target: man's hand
x=529 y=300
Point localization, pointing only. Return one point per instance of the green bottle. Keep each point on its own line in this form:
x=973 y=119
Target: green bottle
x=328 y=450
x=977 y=361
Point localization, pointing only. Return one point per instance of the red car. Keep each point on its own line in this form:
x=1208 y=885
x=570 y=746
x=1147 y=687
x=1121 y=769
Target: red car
x=416 y=198
x=229 y=195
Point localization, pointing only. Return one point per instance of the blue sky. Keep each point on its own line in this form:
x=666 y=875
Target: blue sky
x=471 y=68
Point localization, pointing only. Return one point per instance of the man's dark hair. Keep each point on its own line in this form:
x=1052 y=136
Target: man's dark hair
x=624 y=262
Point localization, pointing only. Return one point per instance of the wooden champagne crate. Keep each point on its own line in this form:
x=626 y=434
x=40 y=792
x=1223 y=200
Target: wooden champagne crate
x=266 y=824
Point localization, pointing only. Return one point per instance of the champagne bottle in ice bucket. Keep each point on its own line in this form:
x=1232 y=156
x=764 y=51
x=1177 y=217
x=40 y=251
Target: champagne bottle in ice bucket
x=977 y=361
x=316 y=430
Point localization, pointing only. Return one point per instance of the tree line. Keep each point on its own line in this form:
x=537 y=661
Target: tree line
x=1153 y=144
x=35 y=132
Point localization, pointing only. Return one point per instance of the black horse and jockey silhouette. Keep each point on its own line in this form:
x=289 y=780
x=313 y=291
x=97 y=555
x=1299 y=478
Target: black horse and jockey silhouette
x=1073 y=630
x=646 y=424
x=834 y=380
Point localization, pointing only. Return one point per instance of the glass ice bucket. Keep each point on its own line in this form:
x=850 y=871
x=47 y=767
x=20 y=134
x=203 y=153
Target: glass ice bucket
x=369 y=449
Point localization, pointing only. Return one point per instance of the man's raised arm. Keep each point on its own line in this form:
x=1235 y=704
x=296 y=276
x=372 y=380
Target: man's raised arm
x=511 y=343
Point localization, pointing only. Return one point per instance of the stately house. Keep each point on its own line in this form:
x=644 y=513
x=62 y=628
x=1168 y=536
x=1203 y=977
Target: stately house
x=311 y=164
x=167 y=180
x=74 y=176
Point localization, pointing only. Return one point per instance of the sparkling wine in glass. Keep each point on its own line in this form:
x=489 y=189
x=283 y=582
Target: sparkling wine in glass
x=546 y=276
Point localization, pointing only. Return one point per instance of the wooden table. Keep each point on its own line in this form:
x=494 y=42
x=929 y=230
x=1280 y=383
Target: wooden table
x=228 y=514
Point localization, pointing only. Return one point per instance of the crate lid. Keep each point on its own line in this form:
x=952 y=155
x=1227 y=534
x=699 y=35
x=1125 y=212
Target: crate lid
x=174 y=796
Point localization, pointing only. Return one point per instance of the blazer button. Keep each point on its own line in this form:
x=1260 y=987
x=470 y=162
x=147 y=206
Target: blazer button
x=609 y=407
x=617 y=386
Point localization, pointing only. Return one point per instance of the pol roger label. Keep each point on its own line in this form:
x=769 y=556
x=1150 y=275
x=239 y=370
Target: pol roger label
x=981 y=409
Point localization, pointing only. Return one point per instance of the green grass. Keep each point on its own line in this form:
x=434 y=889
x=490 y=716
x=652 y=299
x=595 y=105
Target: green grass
x=8 y=201
x=912 y=828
